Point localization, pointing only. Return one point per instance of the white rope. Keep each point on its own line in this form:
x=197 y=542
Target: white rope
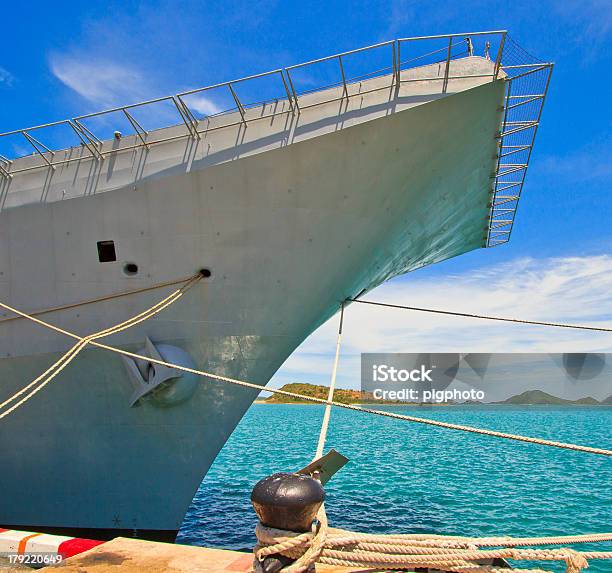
x=48 y=375
x=104 y=298
x=330 y=395
x=244 y=384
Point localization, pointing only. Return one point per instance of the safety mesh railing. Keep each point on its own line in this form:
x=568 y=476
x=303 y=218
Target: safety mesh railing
x=527 y=81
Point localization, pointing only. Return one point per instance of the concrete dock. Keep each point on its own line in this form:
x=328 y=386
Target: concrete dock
x=124 y=555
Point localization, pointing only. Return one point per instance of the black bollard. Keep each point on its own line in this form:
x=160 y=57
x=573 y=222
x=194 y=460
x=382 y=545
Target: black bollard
x=286 y=501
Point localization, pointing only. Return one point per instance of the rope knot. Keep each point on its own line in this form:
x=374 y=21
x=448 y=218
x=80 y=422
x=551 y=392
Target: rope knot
x=281 y=551
x=574 y=561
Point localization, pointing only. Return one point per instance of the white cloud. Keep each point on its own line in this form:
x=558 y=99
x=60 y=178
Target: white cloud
x=6 y=77
x=100 y=82
x=203 y=105
x=575 y=290
x=105 y=83
x=108 y=84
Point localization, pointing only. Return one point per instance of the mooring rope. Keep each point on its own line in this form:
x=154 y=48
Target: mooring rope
x=103 y=298
x=345 y=548
x=481 y=316
x=41 y=381
x=332 y=387
x=394 y=415
x=312 y=399
x=452 y=554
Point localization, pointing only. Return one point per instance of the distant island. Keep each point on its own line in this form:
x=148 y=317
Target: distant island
x=535 y=397
x=344 y=396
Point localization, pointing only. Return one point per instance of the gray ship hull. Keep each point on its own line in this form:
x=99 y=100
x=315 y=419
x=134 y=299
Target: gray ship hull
x=289 y=226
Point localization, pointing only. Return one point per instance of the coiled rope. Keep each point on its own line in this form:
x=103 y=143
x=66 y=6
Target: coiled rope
x=447 y=553
x=41 y=381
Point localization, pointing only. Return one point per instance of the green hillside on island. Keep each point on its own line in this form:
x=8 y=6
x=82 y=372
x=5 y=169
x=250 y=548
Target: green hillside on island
x=340 y=395
x=345 y=396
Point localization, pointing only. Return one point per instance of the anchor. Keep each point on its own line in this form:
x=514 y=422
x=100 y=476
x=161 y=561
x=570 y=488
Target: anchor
x=165 y=386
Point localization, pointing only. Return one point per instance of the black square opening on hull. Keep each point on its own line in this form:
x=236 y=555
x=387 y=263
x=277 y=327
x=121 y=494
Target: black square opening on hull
x=106 y=251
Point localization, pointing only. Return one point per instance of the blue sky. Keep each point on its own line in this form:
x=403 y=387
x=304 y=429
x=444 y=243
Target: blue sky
x=88 y=56
x=56 y=64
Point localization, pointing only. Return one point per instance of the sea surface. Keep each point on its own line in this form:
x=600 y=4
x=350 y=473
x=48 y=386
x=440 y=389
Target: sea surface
x=411 y=478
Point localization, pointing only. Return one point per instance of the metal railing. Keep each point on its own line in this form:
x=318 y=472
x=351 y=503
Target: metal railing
x=401 y=55
x=196 y=127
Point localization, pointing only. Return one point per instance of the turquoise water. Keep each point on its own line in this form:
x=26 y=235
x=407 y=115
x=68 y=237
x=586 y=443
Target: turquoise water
x=410 y=478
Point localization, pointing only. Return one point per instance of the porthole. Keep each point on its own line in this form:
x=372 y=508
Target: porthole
x=130 y=269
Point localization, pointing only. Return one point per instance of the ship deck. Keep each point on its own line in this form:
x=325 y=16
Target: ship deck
x=361 y=84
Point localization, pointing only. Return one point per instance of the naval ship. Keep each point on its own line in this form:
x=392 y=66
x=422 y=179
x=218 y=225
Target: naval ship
x=310 y=185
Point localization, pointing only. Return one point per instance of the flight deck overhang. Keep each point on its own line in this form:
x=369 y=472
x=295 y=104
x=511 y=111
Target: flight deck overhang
x=393 y=76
